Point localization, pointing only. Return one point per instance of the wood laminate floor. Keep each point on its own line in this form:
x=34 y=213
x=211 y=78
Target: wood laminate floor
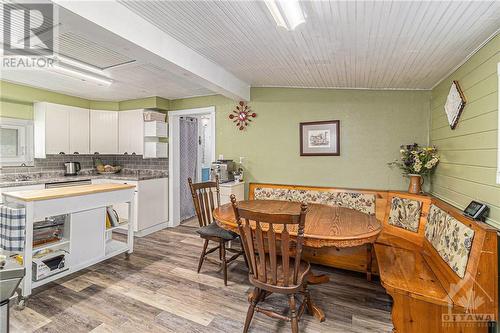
x=158 y=290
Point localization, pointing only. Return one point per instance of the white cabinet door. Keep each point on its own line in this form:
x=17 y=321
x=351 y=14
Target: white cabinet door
x=152 y=203
x=56 y=129
x=103 y=132
x=131 y=132
x=60 y=129
x=79 y=131
x=87 y=243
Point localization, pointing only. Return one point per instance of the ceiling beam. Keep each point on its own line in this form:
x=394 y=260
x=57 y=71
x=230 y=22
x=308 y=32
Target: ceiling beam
x=119 y=20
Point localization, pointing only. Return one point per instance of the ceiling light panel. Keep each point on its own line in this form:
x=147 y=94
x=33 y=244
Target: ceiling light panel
x=79 y=48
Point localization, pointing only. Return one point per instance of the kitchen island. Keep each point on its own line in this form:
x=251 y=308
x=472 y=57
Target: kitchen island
x=86 y=238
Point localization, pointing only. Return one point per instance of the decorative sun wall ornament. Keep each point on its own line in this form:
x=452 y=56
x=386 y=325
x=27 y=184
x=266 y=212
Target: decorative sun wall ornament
x=242 y=115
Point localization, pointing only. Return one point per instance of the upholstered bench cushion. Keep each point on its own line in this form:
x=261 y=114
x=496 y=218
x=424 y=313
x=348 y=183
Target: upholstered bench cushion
x=213 y=230
x=362 y=202
x=451 y=239
x=405 y=213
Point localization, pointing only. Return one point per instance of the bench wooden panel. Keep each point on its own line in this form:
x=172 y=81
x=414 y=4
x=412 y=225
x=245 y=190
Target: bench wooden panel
x=398 y=237
x=481 y=274
x=406 y=271
x=424 y=287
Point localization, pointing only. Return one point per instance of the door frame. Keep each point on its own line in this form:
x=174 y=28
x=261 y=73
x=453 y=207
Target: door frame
x=174 y=156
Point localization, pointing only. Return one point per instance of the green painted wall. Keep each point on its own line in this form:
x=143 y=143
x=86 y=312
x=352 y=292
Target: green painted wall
x=16 y=101
x=468 y=153
x=373 y=126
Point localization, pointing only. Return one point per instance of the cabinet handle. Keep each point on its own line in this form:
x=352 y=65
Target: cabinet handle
x=61 y=153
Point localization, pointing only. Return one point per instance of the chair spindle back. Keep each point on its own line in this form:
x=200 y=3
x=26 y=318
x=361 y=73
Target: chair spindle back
x=203 y=199
x=256 y=229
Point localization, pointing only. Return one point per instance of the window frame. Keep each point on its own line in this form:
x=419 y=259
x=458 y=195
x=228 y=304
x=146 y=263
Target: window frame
x=25 y=142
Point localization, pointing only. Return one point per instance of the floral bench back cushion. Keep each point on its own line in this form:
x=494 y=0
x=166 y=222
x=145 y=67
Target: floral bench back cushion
x=363 y=202
x=405 y=213
x=451 y=239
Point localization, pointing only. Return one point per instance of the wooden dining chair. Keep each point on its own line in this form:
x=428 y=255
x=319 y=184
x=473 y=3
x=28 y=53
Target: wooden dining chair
x=204 y=205
x=275 y=260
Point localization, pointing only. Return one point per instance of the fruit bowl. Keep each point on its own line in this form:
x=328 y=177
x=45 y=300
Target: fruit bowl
x=108 y=169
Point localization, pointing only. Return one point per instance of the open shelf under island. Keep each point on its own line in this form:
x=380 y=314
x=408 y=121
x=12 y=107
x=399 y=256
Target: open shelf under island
x=86 y=240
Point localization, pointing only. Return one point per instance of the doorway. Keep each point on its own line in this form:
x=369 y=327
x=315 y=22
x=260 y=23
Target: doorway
x=192 y=150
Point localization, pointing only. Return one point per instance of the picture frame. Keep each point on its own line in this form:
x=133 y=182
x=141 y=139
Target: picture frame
x=320 y=138
x=455 y=103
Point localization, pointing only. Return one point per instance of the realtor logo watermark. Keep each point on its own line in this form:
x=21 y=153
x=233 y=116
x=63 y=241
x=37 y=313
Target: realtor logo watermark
x=471 y=301
x=29 y=35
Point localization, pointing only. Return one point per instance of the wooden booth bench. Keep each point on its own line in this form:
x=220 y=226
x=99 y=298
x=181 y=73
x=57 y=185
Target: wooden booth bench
x=439 y=267
x=441 y=270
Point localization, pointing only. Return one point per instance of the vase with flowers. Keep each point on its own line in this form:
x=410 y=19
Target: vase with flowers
x=416 y=161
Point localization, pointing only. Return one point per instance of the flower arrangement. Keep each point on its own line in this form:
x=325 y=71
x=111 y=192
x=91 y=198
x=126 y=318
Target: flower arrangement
x=417 y=160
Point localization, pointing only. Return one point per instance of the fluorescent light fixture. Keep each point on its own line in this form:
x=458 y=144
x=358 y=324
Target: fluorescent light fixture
x=82 y=70
x=78 y=64
x=85 y=76
x=286 y=13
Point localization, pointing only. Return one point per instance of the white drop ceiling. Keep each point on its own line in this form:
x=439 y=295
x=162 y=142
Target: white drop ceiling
x=343 y=44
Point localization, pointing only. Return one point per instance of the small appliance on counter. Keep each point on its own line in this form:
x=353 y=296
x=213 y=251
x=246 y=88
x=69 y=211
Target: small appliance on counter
x=72 y=168
x=224 y=169
x=11 y=274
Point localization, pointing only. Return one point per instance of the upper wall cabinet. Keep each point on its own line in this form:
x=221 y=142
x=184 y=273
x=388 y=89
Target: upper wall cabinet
x=79 y=131
x=60 y=129
x=131 y=132
x=103 y=132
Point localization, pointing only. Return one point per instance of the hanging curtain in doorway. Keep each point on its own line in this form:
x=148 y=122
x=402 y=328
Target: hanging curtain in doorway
x=188 y=164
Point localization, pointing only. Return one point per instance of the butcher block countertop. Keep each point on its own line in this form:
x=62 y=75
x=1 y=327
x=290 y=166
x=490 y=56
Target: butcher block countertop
x=62 y=192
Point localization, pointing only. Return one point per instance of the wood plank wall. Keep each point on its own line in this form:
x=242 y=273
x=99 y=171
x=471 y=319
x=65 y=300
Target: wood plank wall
x=469 y=153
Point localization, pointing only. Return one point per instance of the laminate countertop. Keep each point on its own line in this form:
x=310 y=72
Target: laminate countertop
x=12 y=181
x=63 y=192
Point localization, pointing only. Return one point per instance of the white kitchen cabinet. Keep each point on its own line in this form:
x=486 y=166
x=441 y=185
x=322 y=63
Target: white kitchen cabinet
x=19 y=188
x=151 y=204
x=155 y=149
x=236 y=188
x=79 y=130
x=87 y=237
x=104 y=132
x=155 y=129
x=60 y=129
x=51 y=129
x=131 y=132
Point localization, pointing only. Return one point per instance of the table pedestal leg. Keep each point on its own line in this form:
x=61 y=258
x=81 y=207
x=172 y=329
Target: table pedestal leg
x=311 y=307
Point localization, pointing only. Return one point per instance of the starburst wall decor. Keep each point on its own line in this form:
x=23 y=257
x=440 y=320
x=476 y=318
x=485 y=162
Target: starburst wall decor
x=242 y=115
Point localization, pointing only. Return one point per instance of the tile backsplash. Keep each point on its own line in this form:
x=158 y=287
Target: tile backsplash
x=54 y=163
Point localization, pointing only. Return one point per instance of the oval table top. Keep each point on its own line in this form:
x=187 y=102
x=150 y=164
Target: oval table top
x=326 y=226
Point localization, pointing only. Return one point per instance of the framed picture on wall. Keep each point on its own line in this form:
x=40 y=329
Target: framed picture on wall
x=455 y=103
x=320 y=138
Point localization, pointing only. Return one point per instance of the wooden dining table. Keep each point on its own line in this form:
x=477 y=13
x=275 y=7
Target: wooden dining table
x=326 y=226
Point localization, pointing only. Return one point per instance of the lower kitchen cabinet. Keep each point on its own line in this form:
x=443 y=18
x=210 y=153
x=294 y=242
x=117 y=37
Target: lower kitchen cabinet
x=236 y=188
x=87 y=243
x=151 y=204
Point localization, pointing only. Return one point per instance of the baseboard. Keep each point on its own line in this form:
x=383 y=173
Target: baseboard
x=147 y=231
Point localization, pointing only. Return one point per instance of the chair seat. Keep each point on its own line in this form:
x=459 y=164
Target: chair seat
x=213 y=230
x=304 y=269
